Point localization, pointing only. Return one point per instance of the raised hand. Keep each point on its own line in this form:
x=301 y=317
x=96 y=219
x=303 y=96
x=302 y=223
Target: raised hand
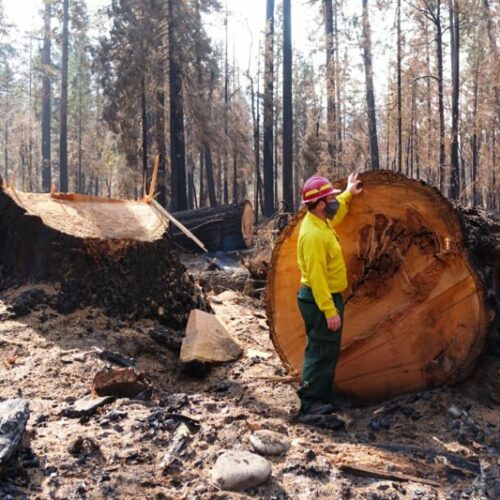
x=354 y=185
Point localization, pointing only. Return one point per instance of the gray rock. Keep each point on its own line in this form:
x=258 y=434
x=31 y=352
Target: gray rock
x=455 y=411
x=85 y=406
x=269 y=443
x=14 y=414
x=240 y=470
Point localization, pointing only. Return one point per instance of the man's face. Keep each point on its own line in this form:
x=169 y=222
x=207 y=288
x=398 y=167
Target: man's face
x=326 y=200
x=330 y=206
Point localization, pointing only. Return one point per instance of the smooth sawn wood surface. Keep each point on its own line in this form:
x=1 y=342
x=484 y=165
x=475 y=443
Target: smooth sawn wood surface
x=415 y=314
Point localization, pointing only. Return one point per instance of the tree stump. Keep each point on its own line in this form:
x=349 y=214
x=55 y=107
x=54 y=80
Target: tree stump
x=422 y=290
x=228 y=227
x=113 y=254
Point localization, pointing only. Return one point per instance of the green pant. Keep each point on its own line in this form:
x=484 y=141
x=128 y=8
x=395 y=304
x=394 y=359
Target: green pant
x=322 y=351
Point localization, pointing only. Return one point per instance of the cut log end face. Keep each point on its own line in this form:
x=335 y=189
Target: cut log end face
x=226 y=228
x=247 y=224
x=414 y=315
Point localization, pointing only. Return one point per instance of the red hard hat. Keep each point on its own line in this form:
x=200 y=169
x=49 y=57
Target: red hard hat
x=317 y=187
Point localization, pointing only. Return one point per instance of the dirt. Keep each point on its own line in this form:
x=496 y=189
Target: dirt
x=94 y=219
x=450 y=435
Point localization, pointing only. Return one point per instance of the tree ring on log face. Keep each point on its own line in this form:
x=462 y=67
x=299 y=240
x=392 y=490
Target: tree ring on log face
x=93 y=217
x=414 y=315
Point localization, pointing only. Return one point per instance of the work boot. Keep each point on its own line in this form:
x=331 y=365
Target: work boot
x=330 y=421
x=320 y=409
x=314 y=409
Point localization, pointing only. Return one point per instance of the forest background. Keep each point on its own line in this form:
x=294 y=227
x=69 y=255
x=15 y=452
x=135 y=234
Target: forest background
x=244 y=100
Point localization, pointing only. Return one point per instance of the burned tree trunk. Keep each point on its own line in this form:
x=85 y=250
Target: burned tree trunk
x=177 y=144
x=228 y=227
x=46 y=101
x=63 y=136
x=269 y=111
x=106 y=253
x=370 y=92
x=422 y=290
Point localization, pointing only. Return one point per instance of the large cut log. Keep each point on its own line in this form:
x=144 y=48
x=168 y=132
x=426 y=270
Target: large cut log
x=422 y=289
x=229 y=227
x=113 y=254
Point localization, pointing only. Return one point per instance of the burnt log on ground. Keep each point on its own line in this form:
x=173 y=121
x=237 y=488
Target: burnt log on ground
x=112 y=254
x=266 y=234
x=423 y=294
x=229 y=227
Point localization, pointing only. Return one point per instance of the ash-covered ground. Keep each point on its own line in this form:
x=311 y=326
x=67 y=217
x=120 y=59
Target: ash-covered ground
x=448 y=437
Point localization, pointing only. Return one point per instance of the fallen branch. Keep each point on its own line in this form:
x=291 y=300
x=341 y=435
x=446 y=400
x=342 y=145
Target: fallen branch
x=279 y=380
x=455 y=460
x=397 y=476
x=181 y=226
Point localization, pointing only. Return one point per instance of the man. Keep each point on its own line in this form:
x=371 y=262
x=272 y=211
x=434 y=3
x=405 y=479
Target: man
x=323 y=280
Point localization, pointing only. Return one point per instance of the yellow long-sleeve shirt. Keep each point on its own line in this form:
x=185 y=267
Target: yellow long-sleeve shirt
x=320 y=256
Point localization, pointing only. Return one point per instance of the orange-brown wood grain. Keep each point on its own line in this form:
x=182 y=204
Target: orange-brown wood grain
x=415 y=313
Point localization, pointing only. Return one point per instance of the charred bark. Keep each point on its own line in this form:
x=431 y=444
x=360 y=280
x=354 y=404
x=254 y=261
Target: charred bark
x=46 y=101
x=63 y=148
x=400 y=99
x=331 y=119
x=287 y=107
x=177 y=144
x=268 y=112
x=144 y=129
x=370 y=92
x=226 y=228
x=455 y=98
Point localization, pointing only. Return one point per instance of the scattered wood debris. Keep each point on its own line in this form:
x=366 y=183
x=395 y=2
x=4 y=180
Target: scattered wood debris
x=121 y=383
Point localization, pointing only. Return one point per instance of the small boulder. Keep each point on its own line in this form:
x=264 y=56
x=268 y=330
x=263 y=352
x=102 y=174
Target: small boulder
x=269 y=443
x=207 y=340
x=240 y=470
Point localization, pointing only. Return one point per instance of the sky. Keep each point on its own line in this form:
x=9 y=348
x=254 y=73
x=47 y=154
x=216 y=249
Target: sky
x=26 y=13
x=246 y=23
x=247 y=20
